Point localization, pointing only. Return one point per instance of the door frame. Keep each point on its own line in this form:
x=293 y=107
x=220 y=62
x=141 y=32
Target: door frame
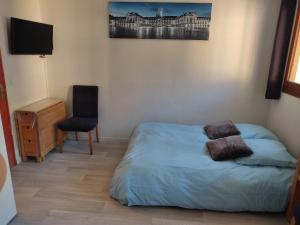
x=6 y=120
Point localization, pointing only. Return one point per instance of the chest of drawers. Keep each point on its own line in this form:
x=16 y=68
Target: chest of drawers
x=36 y=127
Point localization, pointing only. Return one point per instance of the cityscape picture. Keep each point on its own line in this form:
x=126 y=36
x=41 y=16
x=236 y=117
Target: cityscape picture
x=154 y=20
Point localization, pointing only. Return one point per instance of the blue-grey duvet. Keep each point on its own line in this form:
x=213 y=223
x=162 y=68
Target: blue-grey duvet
x=168 y=165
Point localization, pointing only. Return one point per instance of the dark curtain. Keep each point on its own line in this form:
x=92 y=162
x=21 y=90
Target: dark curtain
x=281 y=49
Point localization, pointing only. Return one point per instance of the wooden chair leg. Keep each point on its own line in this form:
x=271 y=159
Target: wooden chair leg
x=60 y=139
x=91 y=142
x=97 y=133
x=293 y=222
x=76 y=136
x=61 y=148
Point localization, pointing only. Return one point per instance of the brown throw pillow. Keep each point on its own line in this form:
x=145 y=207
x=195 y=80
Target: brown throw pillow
x=228 y=148
x=221 y=129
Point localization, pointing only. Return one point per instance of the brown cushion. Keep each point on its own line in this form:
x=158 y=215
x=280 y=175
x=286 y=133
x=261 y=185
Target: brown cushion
x=221 y=129
x=228 y=148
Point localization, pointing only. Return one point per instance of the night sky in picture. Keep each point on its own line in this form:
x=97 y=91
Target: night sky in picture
x=150 y=9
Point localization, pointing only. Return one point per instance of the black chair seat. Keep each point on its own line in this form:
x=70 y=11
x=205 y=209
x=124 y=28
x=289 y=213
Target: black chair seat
x=78 y=124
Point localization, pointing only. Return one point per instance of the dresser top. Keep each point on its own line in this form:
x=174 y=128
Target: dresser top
x=40 y=105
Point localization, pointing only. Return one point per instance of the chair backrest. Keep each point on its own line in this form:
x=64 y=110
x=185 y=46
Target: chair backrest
x=85 y=101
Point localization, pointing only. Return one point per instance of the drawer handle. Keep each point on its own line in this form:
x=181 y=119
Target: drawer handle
x=29 y=141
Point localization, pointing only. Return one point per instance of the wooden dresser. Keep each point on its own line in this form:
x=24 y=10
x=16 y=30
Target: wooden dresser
x=36 y=127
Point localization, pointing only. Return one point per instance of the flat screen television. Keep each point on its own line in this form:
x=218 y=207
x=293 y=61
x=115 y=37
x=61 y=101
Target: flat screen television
x=31 y=38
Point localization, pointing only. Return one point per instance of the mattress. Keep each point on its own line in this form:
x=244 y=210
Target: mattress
x=169 y=165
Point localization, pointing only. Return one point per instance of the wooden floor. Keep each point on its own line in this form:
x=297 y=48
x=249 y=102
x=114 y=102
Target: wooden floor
x=73 y=189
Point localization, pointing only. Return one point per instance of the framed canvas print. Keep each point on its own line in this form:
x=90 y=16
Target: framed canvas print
x=158 y=20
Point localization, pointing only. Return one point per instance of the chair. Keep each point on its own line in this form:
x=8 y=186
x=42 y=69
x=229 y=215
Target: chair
x=85 y=115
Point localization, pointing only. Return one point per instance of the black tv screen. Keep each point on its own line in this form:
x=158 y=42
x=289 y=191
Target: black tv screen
x=31 y=38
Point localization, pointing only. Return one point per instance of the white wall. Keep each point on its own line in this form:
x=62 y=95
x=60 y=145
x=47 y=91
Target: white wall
x=165 y=80
x=284 y=120
x=25 y=75
x=7 y=201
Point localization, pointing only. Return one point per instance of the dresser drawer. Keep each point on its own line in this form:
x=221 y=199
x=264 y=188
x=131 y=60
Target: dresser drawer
x=30 y=143
x=27 y=119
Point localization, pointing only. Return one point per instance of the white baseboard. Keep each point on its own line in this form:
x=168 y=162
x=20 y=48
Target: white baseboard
x=108 y=140
x=114 y=140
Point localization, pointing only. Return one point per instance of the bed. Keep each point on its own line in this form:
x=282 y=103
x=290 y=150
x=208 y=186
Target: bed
x=169 y=165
